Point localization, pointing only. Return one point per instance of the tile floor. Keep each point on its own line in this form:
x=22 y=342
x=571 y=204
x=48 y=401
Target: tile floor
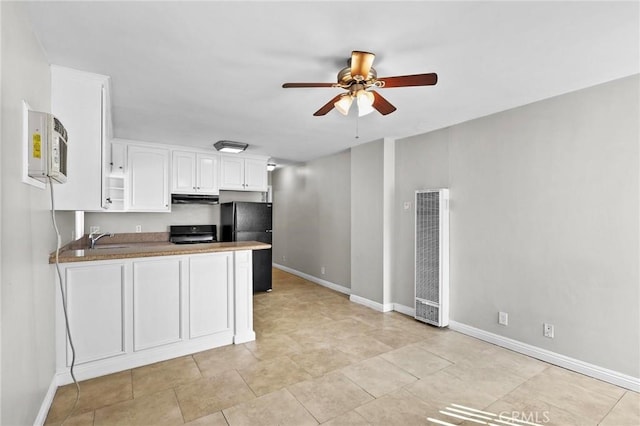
x=319 y=358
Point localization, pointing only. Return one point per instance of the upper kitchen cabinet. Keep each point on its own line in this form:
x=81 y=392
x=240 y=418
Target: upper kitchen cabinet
x=80 y=101
x=194 y=173
x=147 y=179
x=114 y=189
x=243 y=173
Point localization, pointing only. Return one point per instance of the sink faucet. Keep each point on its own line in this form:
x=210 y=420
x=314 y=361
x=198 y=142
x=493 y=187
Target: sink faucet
x=95 y=236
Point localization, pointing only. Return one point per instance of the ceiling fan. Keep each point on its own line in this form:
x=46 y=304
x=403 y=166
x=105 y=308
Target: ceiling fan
x=359 y=78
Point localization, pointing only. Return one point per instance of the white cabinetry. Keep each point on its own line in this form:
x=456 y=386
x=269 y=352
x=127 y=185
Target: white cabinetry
x=210 y=295
x=115 y=181
x=148 y=179
x=243 y=174
x=132 y=312
x=194 y=173
x=96 y=308
x=80 y=101
x=157 y=295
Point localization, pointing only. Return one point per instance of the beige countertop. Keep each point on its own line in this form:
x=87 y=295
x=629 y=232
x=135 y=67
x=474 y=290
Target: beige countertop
x=123 y=246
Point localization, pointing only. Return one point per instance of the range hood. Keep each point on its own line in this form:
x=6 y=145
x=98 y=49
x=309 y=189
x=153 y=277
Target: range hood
x=194 y=199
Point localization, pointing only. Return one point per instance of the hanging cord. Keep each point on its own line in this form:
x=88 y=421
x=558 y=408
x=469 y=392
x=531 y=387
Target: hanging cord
x=357 y=127
x=64 y=303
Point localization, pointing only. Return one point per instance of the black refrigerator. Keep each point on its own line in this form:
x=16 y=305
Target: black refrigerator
x=247 y=221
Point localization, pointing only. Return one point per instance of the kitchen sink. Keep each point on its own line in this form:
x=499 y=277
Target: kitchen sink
x=109 y=246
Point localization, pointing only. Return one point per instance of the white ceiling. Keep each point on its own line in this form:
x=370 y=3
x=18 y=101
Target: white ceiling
x=192 y=73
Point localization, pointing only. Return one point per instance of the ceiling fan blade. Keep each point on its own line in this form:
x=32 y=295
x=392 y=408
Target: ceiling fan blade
x=381 y=104
x=409 y=80
x=298 y=85
x=361 y=63
x=328 y=106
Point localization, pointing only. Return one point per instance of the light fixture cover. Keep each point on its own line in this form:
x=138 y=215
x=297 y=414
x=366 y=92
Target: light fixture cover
x=365 y=102
x=271 y=167
x=344 y=104
x=230 y=146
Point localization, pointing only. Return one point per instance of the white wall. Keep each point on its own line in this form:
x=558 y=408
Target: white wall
x=181 y=214
x=312 y=218
x=27 y=281
x=544 y=221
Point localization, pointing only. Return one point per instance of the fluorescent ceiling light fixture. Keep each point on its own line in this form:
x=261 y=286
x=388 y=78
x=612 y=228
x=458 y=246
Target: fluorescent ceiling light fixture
x=230 y=146
x=271 y=167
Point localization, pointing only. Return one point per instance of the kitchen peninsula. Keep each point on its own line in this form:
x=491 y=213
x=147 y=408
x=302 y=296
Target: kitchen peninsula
x=140 y=299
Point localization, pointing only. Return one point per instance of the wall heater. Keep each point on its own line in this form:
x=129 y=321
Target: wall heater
x=432 y=256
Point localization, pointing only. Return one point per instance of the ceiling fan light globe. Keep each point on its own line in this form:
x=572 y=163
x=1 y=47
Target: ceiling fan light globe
x=343 y=104
x=365 y=102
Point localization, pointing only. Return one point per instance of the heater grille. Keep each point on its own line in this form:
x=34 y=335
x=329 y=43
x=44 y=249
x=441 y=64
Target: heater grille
x=431 y=256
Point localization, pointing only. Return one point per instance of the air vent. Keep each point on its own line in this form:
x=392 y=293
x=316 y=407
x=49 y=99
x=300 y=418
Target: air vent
x=432 y=257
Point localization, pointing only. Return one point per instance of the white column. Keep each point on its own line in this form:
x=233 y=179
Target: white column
x=243 y=289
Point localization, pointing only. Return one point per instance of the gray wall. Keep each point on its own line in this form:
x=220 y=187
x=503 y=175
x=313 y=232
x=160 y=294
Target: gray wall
x=27 y=282
x=367 y=221
x=312 y=218
x=422 y=162
x=187 y=214
x=544 y=221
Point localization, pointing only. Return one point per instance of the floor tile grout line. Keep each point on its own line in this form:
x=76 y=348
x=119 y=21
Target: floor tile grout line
x=175 y=395
x=613 y=406
x=301 y=404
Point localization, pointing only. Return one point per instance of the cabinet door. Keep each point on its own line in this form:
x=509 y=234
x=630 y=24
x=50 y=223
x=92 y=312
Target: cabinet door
x=148 y=173
x=210 y=294
x=77 y=101
x=255 y=175
x=95 y=305
x=183 y=172
x=232 y=173
x=207 y=171
x=157 y=310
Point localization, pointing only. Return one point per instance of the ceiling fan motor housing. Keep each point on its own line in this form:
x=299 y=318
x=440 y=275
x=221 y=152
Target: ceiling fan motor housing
x=345 y=79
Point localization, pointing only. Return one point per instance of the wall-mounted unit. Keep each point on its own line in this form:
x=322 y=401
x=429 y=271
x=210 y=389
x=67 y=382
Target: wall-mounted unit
x=47 y=147
x=432 y=256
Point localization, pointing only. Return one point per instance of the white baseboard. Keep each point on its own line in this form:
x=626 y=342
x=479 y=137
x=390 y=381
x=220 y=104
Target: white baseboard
x=324 y=283
x=387 y=307
x=404 y=309
x=46 y=402
x=597 y=372
x=127 y=361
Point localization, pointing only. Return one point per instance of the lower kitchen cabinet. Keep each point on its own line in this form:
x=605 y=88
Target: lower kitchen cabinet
x=157 y=296
x=95 y=301
x=127 y=313
x=210 y=295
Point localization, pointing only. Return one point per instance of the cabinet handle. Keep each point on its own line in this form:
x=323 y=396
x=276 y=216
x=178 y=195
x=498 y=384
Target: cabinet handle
x=198 y=187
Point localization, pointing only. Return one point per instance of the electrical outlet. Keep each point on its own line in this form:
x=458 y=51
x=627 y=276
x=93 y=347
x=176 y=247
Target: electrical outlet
x=138 y=228
x=547 y=330
x=284 y=258
x=322 y=270
x=503 y=318
x=93 y=229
